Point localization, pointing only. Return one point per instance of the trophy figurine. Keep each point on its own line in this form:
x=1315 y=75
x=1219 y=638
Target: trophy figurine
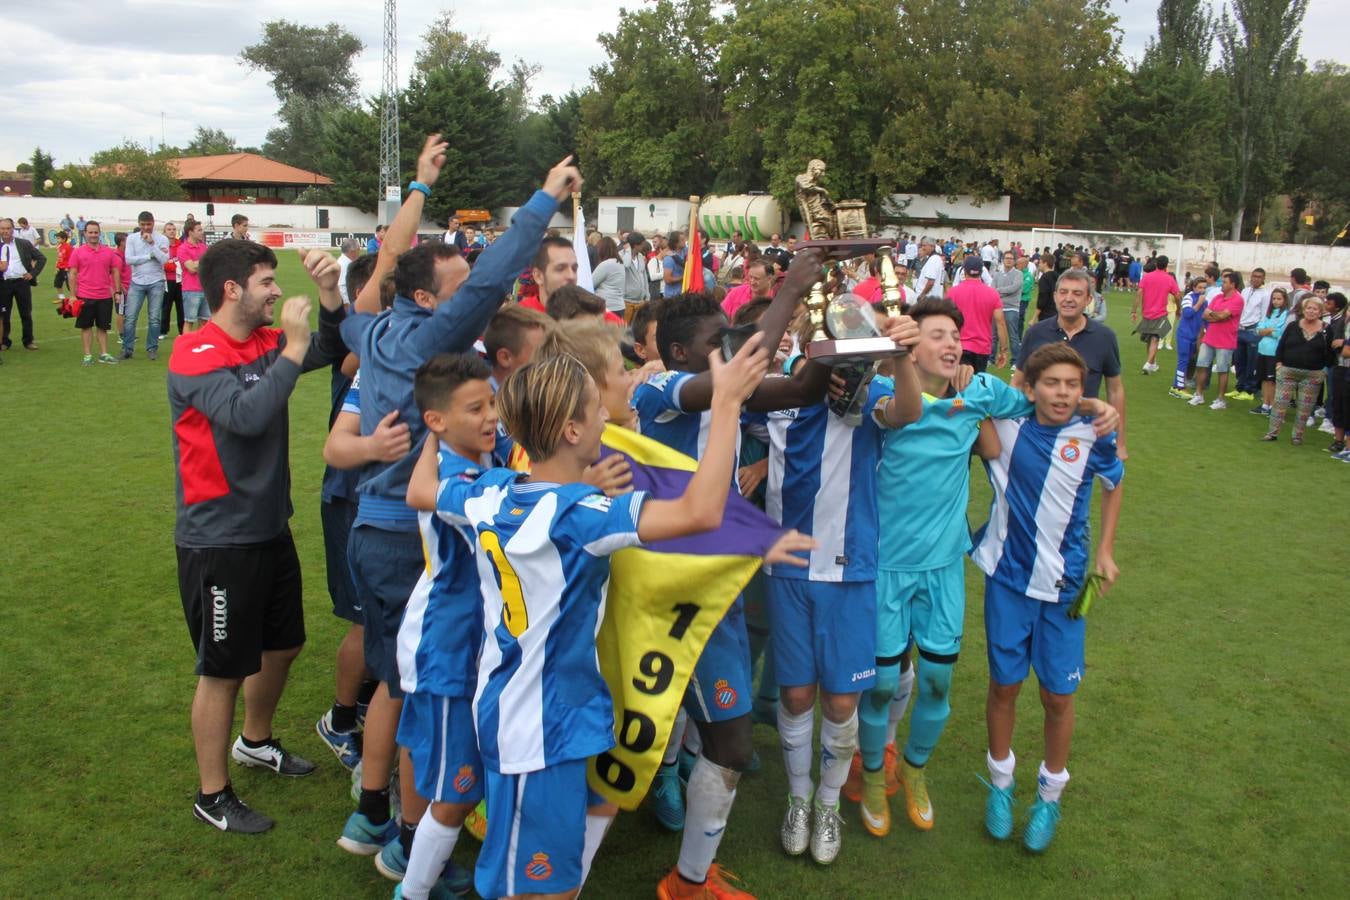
x=890 y=284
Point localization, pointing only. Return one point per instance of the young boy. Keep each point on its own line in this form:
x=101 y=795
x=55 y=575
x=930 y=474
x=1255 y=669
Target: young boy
x=63 y=251
x=923 y=489
x=543 y=542
x=442 y=630
x=1034 y=553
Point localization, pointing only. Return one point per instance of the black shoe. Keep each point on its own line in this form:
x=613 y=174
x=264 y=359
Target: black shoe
x=1336 y=447
x=1259 y=410
x=127 y=354
x=271 y=756
x=229 y=813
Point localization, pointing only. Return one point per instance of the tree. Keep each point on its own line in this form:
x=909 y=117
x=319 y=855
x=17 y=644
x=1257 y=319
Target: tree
x=128 y=171
x=444 y=46
x=653 y=123
x=23 y=168
x=1161 y=123
x=349 y=153
x=1258 y=47
x=314 y=63
x=799 y=80
x=1319 y=174
x=210 y=142
x=42 y=167
x=544 y=137
x=297 y=141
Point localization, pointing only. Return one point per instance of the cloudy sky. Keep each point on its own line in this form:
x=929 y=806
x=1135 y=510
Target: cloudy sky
x=91 y=74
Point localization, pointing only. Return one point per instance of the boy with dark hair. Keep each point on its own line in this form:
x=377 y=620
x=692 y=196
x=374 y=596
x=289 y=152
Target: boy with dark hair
x=643 y=325
x=442 y=630
x=1034 y=553
x=572 y=301
x=238 y=572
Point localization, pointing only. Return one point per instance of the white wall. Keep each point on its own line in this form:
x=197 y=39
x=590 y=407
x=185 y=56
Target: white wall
x=46 y=212
x=960 y=206
x=650 y=214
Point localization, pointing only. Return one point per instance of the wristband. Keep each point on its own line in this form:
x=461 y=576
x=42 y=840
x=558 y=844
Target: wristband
x=419 y=186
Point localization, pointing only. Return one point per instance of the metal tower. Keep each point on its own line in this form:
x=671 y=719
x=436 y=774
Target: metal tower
x=390 y=182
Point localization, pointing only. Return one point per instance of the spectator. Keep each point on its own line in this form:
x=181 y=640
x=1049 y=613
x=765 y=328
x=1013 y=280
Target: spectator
x=759 y=283
x=373 y=244
x=67 y=223
x=554 y=265
x=1190 y=325
x=931 y=275
x=1028 y=291
x=63 y=250
x=453 y=234
x=633 y=257
x=1255 y=301
x=1093 y=340
x=1301 y=358
x=120 y=297
x=239 y=227
x=572 y=301
x=173 y=287
x=608 y=275
x=1008 y=281
x=672 y=267
x=982 y=311
x=1157 y=289
x=1334 y=305
x=1339 y=378
x=190 y=252
x=146 y=253
x=1269 y=331
x=778 y=253
x=347 y=253
x=1220 y=340
x=28 y=232
x=20 y=265
x=95 y=280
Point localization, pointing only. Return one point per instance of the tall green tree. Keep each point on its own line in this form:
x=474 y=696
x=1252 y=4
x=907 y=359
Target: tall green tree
x=42 y=167
x=210 y=142
x=443 y=45
x=306 y=61
x=350 y=155
x=1162 y=123
x=800 y=84
x=997 y=96
x=1258 y=46
x=653 y=123
x=1319 y=172
x=128 y=171
x=544 y=137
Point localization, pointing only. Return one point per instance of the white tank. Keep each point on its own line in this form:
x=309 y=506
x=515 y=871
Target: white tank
x=755 y=216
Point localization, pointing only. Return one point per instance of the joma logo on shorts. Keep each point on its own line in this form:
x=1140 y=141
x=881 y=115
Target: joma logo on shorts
x=220 y=618
x=866 y=673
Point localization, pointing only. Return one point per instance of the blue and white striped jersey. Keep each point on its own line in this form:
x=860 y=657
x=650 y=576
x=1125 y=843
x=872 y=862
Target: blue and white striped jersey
x=662 y=418
x=1036 y=540
x=442 y=630
x=823 y=482
x=543 y=565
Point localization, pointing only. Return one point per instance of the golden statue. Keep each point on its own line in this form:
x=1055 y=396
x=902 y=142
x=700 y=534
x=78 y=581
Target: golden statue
x=826 y=220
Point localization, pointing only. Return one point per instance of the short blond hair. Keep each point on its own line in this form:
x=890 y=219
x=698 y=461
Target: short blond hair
x=538 y=400
x=590 y=343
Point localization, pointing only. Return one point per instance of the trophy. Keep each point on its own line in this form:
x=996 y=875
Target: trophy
x=844 y=329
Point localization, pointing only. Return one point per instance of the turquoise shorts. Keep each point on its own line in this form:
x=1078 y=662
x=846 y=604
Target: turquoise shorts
x=926 y=607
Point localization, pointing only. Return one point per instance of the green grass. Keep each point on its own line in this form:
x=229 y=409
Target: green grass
x=1211 y=757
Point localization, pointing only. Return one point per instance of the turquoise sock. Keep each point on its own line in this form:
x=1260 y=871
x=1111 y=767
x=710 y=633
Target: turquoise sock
x=931 y=710
x=874 y=716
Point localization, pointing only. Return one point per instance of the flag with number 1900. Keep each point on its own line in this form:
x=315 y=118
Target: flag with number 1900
x=664 y=601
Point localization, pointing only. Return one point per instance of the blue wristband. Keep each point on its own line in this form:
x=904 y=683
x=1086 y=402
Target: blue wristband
x=419 y=186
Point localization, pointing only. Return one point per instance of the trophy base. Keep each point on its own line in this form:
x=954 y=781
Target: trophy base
x=848 y=248
x=847 y=350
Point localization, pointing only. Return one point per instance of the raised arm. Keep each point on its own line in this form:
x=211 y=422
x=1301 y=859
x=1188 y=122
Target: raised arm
x=403 y=229
x=424 y=482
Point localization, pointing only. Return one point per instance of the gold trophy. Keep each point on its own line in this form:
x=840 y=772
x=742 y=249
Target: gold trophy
x=844 y=330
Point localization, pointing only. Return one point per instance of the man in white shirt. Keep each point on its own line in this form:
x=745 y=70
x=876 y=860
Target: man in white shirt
x=931 y=274
x=20 y=265
x=27 y=232
x=1255 y=302
x=146 y=253
x=911 y=252
x=351 y=249
x=989 y=254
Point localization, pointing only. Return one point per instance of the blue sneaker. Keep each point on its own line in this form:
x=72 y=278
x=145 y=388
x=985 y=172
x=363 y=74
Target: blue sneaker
x=668 y=798
x=1041 y=827
x=392 y=861
x=364 y=838
x=998 y=811
x=438 y=892
x=346 y=745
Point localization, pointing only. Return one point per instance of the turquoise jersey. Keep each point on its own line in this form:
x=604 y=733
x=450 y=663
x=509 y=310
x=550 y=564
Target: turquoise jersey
x=923 y=480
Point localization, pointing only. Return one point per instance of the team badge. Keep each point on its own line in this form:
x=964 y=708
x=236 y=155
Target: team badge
x=958 y=404
x=1069 y=452
x=538 y=868
x=465 y=780
x=724 y=695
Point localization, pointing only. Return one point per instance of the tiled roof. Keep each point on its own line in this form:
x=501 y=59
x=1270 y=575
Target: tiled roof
x=245 y=168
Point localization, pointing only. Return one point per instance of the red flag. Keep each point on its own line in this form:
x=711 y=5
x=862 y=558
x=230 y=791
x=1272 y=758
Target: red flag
x=693 y=264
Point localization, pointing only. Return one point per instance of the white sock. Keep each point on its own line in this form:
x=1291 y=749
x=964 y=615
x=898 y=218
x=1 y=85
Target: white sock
x=707 y=804
x=435 y=842
x=900 y=700
x=838 y=741
x=1001 y=770
x=1051 y=784
x=596 y=826
x=795 y=734
x=693 y=741
x=676 y=737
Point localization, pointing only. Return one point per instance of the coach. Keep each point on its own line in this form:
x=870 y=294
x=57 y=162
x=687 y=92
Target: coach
x=20 y=265
x=238 y=572
x=1095 y=342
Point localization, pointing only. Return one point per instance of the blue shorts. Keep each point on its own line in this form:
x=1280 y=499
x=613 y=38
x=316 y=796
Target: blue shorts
x=336 y=516
x=536 y=831
x=927 y=608
x=824 y=633
x=1023 y=632
x=439 y=733
x=385 y=568
x=719 y=689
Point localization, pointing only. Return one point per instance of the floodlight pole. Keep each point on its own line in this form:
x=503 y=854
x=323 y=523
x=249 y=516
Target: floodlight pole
x=390 y=183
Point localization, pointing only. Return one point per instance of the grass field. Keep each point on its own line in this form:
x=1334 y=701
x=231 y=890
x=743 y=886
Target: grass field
x=1212 y=756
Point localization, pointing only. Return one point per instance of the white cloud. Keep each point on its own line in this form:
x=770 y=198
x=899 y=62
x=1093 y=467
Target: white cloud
x=93 y=74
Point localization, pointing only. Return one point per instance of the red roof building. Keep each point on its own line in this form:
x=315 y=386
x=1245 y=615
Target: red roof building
x=243 y=178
